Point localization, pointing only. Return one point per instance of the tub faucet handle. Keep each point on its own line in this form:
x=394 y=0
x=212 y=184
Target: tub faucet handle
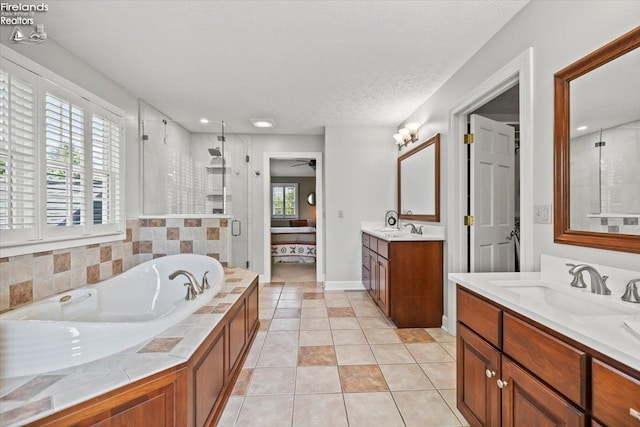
x=205 y=281
x=631 y=292
x=191 y=291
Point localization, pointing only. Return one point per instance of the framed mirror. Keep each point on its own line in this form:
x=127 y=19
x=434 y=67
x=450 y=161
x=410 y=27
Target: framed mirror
x=311 y=198
x=597 y=148
x=419 y=182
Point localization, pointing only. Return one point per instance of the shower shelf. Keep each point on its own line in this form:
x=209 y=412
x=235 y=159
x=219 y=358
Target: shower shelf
x=217 y=169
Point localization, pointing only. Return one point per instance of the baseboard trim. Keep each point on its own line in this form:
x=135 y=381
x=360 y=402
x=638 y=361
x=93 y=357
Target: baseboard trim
x=343 y=286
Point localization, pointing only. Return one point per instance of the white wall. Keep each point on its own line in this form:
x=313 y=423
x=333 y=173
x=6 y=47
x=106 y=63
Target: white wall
x=59 y=60
x=258 y=145
x=560 y=32
x=361 y=181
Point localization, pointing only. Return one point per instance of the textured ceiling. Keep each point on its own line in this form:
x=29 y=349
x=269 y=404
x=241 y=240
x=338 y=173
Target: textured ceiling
x=307 y=64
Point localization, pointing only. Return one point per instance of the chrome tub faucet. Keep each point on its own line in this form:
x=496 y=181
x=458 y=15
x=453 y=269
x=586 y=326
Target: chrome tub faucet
x=598 y=282
x=193 y=288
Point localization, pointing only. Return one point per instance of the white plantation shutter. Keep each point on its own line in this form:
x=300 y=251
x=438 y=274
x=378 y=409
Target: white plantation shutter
x=17 y=153
x=105 y=141
x=65 y=163
x=60 y=161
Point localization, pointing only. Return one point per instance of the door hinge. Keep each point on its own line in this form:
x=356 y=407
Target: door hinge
x=247 y=264
x=468 y=220
x=468 y=138
x=246 y=159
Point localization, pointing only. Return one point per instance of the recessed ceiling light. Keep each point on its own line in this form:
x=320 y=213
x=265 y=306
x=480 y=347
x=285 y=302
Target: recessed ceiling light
x=263 y=122
x=581 y=128
x=204 y=121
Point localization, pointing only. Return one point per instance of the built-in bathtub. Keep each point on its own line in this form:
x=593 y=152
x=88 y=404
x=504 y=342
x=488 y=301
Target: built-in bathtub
x=89 y=323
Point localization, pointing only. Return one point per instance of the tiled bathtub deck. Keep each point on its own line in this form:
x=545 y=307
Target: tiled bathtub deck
x=332 y=359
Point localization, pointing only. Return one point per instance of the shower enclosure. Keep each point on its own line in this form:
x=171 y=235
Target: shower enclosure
x=196 y=175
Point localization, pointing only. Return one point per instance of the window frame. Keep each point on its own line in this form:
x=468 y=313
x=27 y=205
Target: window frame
x=42 y=237
x=284 y=185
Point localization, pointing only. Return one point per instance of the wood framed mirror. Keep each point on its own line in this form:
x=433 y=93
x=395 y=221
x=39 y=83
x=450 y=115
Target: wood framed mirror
x=419 y=182
x=597 y=148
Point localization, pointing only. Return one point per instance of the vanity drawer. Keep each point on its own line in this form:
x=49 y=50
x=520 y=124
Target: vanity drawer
x=383 y=248
x=365 y=240
x=365 y=257
x=484 y=318
x=615 y=396
x=558 y=364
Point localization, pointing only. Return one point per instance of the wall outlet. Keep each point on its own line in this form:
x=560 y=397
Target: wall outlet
x=340 y=213
x=542 y=214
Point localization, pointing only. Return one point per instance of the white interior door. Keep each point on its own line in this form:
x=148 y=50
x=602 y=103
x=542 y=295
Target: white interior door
x=492 y=196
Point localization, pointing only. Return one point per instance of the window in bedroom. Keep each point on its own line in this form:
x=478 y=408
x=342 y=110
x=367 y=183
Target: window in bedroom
x=284 y=200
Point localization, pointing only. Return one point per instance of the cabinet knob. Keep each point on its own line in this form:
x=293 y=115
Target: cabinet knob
x=490 y=373
x=502 y=384
x=634 y=413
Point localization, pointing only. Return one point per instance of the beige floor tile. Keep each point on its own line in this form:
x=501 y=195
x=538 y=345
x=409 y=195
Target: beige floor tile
x=324 y=355
x=367 y=311
x=441 y=375
x=424 y=408
x=272 y=381
x=450 y=347
x=382 y=336
x=414 y=335
x=289 y=303
x=317 y=379
x=266 y=313
x=405 y=377
x=268 y=303
x=266 y=411
x=279 y=357
x=429 y=352
x=313 y=303
x=372 y=410
x=374 y=323
x=449 y=396
x=319 y=410
x=440 y=335
x=281 y=339
x=314 y=323
x=361 y=378
x=320 y=337
x=264 y=325
x=337 y=302
x=252 y=357
x=295 y=295
x=231 y=411
x=284 y=325
x=314 y=312
x=358 y=354
x=242 y=383
x=258 y=341
x=358 y=295
x=344 y=323
x=348 y=336
x=387 y=354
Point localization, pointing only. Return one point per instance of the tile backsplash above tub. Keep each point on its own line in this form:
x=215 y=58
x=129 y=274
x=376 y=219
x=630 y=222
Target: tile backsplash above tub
x=31 y=277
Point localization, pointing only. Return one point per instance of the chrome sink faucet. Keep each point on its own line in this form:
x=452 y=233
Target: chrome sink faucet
x=598 y=282
x=414 y=229
x=193 y=288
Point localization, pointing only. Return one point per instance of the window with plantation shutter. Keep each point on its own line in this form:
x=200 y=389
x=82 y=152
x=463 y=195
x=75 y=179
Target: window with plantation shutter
x=105 y=145
x=60 y=161
x=65 y=165
x=17 y=152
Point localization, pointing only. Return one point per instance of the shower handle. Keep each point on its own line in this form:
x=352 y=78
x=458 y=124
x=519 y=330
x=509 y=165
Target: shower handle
x=233 y=223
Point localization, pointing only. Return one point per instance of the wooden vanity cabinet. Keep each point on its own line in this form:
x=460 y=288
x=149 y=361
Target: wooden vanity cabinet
x=405 y=279
x=546 y=379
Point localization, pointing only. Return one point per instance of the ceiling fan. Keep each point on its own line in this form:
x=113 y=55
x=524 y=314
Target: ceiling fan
x=309 y=162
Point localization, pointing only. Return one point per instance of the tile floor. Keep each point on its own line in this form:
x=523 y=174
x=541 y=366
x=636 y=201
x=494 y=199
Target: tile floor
x=332 y=359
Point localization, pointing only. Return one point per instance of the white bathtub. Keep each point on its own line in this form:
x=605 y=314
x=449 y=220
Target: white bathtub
x=102 y=319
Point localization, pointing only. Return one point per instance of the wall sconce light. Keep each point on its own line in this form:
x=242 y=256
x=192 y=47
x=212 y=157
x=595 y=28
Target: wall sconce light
x=407 y=134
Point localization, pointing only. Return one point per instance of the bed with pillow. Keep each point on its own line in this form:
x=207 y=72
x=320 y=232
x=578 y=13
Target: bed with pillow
x=294 y=244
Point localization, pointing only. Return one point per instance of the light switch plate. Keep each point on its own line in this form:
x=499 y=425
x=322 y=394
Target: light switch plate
x=340 y=213
x=542 y=214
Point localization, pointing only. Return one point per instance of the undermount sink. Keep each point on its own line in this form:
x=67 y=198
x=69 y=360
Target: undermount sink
x=572 y=301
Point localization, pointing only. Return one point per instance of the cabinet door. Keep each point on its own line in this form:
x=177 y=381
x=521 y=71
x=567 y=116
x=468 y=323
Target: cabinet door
x=528 y=402
x=208 y=380
x=366 y=265
x=615 y=396
x=237 y=335
x=252 y=310
x=373 y=273
x=478 y=369
x=383 y=284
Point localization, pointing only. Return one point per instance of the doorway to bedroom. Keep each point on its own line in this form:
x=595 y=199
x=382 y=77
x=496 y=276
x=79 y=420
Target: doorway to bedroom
x=294 y=219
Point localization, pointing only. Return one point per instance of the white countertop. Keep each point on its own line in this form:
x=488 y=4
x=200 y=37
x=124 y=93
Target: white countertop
x=429 y=233
x=603 y=332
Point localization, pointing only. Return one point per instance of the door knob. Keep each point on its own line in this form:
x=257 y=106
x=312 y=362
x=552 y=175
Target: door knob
x=490 y=373
x=502 y=384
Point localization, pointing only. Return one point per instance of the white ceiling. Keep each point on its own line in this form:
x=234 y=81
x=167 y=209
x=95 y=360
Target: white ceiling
x=307 y=64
